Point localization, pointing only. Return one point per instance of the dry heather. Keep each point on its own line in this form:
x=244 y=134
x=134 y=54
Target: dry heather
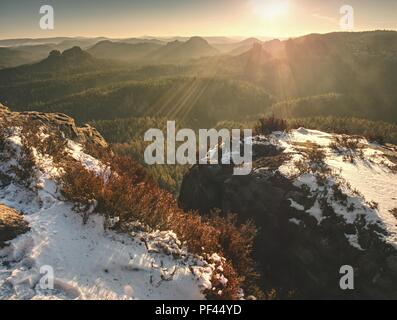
x=129 y=194
x=126 y=191
x=270 y=124
x=348 y=146
x=313 y=160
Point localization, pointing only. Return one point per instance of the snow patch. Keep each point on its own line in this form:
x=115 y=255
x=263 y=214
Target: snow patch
x=89 y=261
x=367 y=180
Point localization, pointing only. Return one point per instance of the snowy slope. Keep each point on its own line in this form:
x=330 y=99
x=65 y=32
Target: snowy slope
x=321 y=201
x=88 y=261
x=367 y=177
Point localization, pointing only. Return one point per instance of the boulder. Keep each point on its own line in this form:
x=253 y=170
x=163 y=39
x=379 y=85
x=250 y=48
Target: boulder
x=58 y=122
x=296 y=255
x=12 y=224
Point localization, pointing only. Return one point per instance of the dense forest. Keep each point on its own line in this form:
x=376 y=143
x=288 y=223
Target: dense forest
x=340 y=82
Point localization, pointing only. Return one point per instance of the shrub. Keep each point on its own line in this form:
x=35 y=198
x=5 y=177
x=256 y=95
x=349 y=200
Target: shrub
x=270 y=124
x=4 y=154
x=54 y=145
x=347 y=142
x=96 y=152
x=2 y=140
x=236 y=241
x=338 y=194
x=221 y=292
x=313 y=160
x=127 y=193
x=80 y=185
x=349 y=146
x=378 y=131
x=24 y=170
x=316 y=155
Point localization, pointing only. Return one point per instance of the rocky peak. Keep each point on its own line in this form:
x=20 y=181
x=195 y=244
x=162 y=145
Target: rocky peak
x=311 y=223
x=59 y=122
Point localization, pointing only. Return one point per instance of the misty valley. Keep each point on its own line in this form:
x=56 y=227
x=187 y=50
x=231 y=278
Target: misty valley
x=91 y=130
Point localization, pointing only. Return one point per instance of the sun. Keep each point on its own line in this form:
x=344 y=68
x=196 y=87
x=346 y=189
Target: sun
x=270 y=9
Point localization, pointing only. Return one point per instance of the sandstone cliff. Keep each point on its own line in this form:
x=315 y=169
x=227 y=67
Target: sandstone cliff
x=321 y=201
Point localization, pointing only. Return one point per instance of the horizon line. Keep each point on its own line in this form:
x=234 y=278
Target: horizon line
x=194 y=35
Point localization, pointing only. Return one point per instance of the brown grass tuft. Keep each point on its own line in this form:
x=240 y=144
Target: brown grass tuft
x=266 y=126
x=126 y=192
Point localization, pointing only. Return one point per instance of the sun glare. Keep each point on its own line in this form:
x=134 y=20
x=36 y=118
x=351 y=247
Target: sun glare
x=270 y=9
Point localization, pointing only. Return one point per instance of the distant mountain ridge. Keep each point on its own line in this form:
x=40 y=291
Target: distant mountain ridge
x=152 y=51
x=16 y=52
x=355 y=72
x=12 y=58
x=353 y=63
x=236 y=48
x=122 y=51
x=195 y=47
x=73 y=60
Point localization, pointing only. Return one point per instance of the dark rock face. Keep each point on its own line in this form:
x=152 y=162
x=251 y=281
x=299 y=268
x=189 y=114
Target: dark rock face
x=299 y=261
x=12 y=225
x=58 y=122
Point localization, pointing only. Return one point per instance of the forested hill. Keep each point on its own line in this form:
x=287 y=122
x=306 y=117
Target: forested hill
x=338 y=82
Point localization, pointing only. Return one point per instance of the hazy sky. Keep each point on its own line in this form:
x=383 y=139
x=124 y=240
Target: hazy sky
x=128 y=18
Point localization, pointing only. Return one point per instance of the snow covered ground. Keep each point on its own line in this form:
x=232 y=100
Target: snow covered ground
x=369 y=173
x=368 y=180
x=89 y=262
